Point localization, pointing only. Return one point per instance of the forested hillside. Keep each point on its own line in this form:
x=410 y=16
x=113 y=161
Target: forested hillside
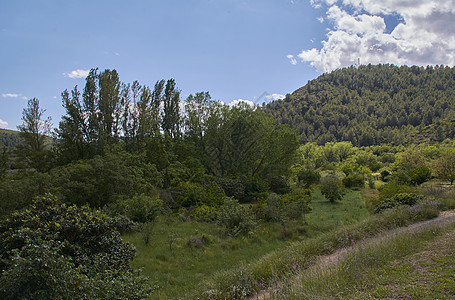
x=9 y=138
x=370 y=105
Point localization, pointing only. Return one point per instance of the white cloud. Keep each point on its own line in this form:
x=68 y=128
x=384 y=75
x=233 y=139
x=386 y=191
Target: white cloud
x=77 y=73
x=275 y=96
x=425 y=34
x=292 y=59
x=10 y=95
x=13 y=95
x=3 y=124
x=241 y=101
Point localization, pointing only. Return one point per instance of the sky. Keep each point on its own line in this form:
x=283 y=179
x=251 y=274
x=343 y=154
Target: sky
x=250 y=50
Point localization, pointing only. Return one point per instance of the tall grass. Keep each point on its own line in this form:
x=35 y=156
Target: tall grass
x=198 y=251
x=358 y=272
x=249 y=279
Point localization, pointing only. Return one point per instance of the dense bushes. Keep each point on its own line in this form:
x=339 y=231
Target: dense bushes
x=397 y=200
x=53 y=251
x=235 y=219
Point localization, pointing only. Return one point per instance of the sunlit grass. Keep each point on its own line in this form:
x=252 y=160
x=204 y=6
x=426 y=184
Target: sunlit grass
x=177 y=267
x=398 y=266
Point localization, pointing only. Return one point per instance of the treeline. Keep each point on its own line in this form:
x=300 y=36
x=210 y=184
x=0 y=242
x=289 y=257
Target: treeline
x=119 y=140
x=371 y=105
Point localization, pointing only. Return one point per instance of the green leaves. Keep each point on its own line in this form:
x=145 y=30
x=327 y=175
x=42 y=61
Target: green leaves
x=55 y=251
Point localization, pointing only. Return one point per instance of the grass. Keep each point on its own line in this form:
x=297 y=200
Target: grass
x=420 y=265
x=249 y=279
x=178 y=267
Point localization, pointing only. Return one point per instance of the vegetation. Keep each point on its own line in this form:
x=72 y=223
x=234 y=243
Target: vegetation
x=51 y=250
x=225 y=191
x=371 y=105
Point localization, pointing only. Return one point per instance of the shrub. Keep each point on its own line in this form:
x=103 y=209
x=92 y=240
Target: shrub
x=385 y=175
x=232 y=187
x=194 y=194
x=308 y=177
x=197 y=241
x=235 y=219
x=331 y=188
x=140 y=208
x=54 y=251
x=279 y=185
x=203 y=213
x=393 y=188
x=353 y=181
x=397 y=200
x=419 y=175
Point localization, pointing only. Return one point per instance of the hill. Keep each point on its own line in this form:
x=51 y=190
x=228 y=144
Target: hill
x=9 y=138
x=372 y=104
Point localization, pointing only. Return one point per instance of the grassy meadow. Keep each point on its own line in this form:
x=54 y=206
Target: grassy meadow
x=181 y=254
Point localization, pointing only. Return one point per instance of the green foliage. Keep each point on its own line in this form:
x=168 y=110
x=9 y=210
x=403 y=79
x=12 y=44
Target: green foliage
x=445 y=165
x=353 y=181
x=331 y=188
x=308 y=177
x=204 y=213
x=232 y=187
x=34 y=131
x=140 y=208
x=371 y=105
x=103 y=180
x=393 y=188
x=397 y=200
x=419 y=175
x=235 y=219
x=194 y=194
x=54 y=251
x=18 y=191
x=296 y=204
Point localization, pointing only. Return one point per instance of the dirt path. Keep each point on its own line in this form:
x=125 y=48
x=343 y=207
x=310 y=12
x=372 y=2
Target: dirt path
x=445 y=218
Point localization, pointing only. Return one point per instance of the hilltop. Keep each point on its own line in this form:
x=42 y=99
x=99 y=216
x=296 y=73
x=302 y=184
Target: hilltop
x=372 y=104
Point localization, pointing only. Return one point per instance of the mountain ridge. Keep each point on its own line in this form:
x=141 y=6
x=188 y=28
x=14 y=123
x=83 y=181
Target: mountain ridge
x=372 y=104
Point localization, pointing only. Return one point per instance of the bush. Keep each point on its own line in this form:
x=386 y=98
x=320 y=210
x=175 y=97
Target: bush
x=54 y=251
x=140 y=208
x=235 y=219
x=393 y=188
x=331 y=188
x=193 y=194
x=232 y=187
x=308 y=177
x=353 y=181
x=397 y=200
x=419 y=175
x=279 y=185
x=203 y=213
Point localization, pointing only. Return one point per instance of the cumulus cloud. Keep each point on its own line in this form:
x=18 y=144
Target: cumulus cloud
x=77 y=73
x=424 y=35
x=3 y=124
x=275 y=96
x=241 y=101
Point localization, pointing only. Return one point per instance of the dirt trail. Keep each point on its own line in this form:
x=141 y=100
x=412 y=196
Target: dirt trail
x=444 y=219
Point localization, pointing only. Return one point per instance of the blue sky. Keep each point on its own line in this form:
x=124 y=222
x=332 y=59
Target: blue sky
x=235 y=49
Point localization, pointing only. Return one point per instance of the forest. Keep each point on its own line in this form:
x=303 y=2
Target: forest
x=372 y=104
x=194 y=192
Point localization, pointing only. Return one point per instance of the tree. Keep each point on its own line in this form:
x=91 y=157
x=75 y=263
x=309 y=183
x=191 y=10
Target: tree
x=445 y=165
x=171 y=110
x=54 y=251
x=34 y=132
x=331 y=188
